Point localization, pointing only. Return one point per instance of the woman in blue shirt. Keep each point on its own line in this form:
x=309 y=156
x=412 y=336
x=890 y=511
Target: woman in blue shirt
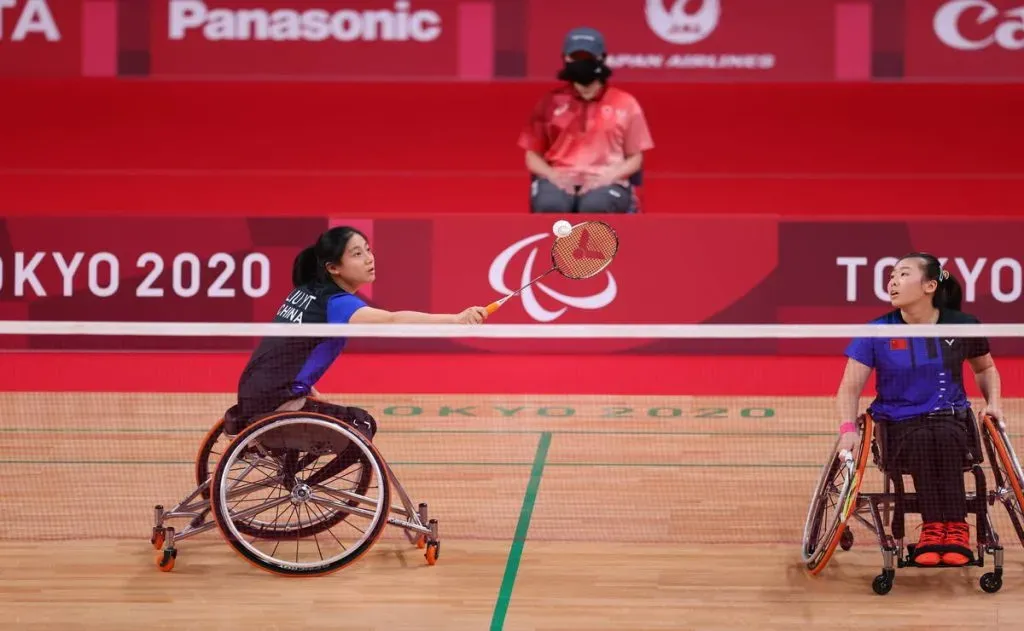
x=921 y=397
x=282 y=371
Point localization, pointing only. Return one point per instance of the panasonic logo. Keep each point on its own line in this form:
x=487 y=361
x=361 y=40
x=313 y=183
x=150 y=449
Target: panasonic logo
x=315 y=25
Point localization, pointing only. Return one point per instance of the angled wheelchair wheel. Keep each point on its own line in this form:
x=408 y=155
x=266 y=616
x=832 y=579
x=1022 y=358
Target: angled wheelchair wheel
x=210 y=451
x=213 y=447
x=834 y=500
x=1006 y=470
x=280 y=478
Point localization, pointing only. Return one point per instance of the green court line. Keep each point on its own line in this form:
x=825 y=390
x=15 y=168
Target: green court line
x=515 y=554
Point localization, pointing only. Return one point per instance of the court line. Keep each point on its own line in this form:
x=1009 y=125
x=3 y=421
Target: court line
x=629 y=465
x=581 y=432
x=515 y=553
x=595 y=432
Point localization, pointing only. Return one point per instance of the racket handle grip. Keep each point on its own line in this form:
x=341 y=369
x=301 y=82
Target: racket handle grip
x=491 y=308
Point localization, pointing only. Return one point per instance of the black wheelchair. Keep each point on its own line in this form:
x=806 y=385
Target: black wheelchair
x=295 y=493
x=837 y=499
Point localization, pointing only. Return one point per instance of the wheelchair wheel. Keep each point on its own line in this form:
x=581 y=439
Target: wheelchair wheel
x=212 y=449
x=834 y=500
x=1006 y=470
x=280 y=477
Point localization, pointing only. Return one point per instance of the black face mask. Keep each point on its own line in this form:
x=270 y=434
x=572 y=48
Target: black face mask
x=584 y=71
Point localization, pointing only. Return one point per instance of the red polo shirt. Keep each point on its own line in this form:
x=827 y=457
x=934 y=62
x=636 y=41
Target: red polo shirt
x=580 y=136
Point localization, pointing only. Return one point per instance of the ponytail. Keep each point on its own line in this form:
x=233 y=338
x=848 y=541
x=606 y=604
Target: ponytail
x=304 y=269
x=309 y=265
x=948 y=293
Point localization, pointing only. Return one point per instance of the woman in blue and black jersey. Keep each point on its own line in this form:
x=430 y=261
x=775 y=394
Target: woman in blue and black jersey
x=921 y=397
x=282 y=371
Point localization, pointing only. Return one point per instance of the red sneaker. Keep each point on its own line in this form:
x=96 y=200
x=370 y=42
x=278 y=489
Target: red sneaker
x=933 y=535
x=958 y=535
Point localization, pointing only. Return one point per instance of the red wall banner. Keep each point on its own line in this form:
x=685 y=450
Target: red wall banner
x=411 y=40
x=670 y=269
x=961 y=39
x=308 y=38
x=41 y=37
x=677 y=40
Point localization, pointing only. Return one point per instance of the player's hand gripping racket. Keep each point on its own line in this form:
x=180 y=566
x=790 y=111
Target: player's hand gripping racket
x=584 y=252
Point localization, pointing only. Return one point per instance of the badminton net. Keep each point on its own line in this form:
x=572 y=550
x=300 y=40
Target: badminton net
x=680 y=434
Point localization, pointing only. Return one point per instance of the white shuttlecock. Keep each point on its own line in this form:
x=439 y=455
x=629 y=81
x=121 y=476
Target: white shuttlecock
x=562 y=228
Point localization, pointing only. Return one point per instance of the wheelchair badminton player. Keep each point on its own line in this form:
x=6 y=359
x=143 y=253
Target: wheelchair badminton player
x=282 y=371
x=921 y=398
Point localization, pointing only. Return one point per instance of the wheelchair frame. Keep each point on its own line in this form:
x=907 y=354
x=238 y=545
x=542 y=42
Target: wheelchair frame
x=418 y=527
x=841 y=479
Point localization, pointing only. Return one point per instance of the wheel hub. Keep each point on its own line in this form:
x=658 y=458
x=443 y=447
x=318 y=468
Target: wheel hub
x=301 y=493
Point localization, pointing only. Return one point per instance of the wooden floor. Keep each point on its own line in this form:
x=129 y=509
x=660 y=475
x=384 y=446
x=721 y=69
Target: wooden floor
x=555 y=513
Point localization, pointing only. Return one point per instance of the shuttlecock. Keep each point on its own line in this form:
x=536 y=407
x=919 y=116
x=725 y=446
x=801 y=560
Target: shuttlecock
x=562 y=228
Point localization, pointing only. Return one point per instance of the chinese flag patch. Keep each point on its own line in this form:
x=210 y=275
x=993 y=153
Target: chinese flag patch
x=898 y=345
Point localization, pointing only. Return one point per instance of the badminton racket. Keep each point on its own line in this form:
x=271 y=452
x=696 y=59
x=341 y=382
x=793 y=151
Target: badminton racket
x=584 y=252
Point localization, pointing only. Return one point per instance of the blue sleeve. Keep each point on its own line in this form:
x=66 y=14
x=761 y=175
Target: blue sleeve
x=340 y=308
x=862 y=349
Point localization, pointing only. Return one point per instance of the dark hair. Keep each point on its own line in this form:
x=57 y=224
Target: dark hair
x=310 y=264
x=948 y=294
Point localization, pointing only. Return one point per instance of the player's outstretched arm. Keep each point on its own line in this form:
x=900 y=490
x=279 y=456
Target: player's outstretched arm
x=371 y=315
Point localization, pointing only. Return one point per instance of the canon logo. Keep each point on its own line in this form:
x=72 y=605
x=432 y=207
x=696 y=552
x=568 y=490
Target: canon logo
x=1007 y=33
x=33 y=18
x=314 y=25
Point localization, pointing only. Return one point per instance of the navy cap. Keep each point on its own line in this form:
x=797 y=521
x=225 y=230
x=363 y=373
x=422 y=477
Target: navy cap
x=584 y=39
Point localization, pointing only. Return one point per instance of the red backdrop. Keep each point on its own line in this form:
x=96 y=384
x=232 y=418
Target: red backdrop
x=670 y=269
x=277 y=148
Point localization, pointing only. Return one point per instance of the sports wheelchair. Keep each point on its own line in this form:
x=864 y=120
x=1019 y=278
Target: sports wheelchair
x=295 y=493
x=837 y=498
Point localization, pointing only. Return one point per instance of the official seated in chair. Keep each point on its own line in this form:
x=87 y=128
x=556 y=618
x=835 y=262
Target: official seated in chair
x=585 y=140
x=921 y=399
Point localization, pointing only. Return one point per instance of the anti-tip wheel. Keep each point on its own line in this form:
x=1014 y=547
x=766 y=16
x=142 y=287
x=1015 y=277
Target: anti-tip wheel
x=990 y=582
x=433 y=552
x=882 y=584
x=165 y=560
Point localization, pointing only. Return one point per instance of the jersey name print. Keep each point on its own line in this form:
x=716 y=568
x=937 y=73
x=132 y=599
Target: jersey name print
x=282 y=368
x=294 y=307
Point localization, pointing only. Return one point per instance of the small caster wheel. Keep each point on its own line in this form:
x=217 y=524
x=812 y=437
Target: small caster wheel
x=433 y=552
x=991 y=582
x=846 y=539
x=165 y=559
x=882 y=584
x=421 y=542
x=157 y=538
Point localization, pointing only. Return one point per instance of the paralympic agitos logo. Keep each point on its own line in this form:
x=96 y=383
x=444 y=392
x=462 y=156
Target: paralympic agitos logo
x=532 y=306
